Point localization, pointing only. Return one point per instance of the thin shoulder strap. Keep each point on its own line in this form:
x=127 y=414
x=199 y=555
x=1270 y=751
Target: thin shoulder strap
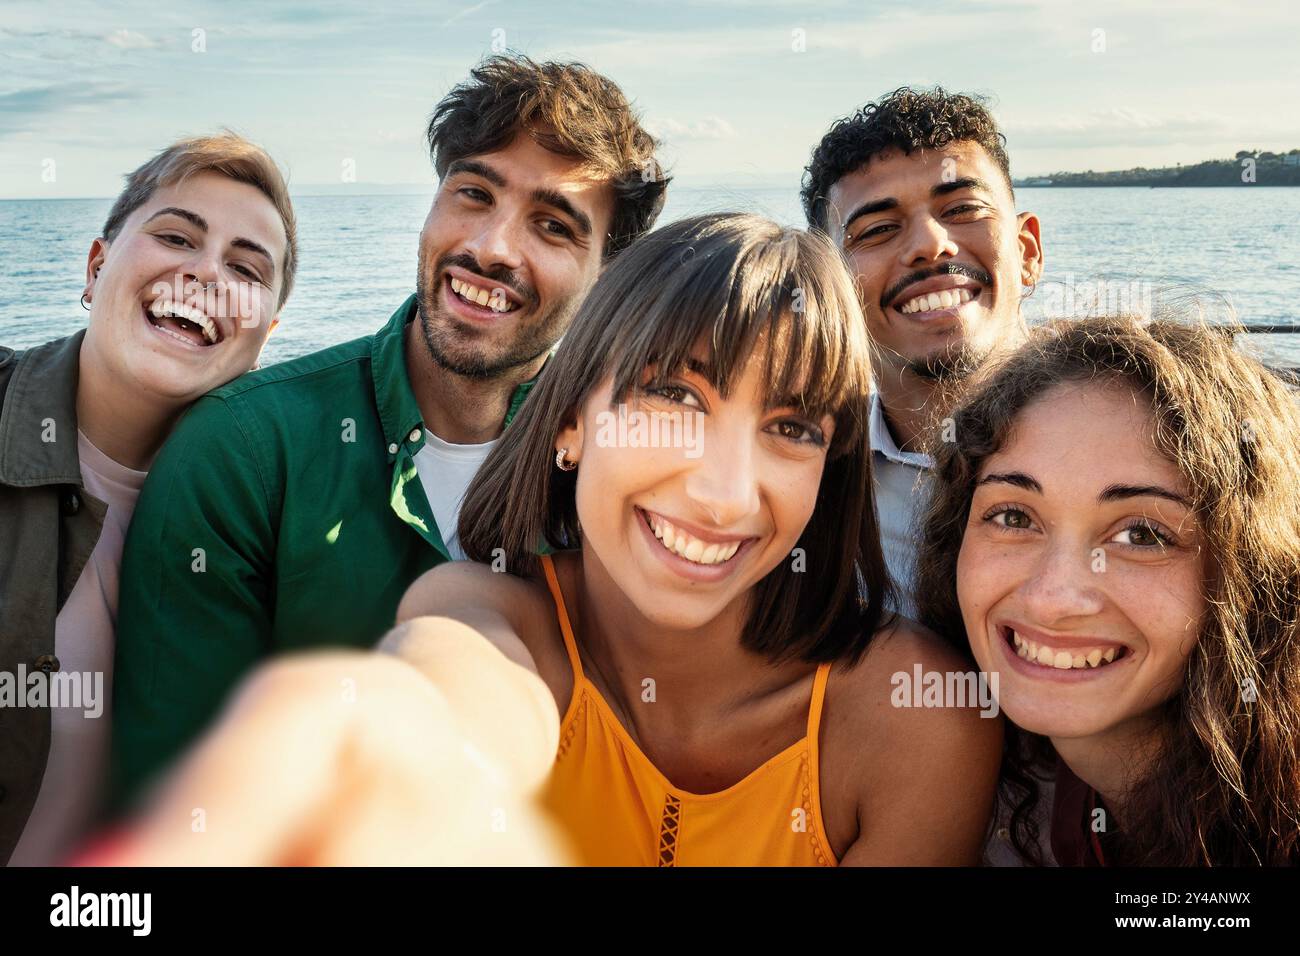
x=815 y=706
x=570 y=644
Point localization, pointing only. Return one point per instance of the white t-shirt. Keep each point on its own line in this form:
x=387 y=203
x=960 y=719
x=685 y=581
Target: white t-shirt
x=445 y=472
x=84 y=637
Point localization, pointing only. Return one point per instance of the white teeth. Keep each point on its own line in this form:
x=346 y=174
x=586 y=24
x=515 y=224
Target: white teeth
x=181 y=310
x=689 y=547
x=480 y=296
x=948 y=299
x=1063 y=660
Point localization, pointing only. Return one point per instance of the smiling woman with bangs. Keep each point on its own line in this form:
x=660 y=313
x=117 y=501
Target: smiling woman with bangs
x=720 y=677
x=697 y=670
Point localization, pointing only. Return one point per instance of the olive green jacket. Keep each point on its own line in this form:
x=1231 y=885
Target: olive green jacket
x=48 y=527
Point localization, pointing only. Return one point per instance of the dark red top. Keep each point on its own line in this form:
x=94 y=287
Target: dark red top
x=1074 y=843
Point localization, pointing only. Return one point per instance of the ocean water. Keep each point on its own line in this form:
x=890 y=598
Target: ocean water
x=1237 y=248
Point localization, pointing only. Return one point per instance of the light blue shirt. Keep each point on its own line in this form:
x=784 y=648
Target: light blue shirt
x=901 y=485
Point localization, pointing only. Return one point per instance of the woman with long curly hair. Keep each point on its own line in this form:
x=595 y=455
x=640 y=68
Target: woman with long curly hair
x=1115 y=528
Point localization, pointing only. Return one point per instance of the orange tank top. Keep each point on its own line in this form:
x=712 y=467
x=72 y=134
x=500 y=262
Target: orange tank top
x=619 y=810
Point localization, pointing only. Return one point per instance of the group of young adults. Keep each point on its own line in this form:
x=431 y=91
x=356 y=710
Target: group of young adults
x=520 y=641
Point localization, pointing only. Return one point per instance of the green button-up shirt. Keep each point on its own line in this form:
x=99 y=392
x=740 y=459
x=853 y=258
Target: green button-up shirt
x=285 y=512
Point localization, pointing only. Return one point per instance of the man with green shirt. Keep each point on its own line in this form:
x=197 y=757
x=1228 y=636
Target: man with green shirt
x=293 y=507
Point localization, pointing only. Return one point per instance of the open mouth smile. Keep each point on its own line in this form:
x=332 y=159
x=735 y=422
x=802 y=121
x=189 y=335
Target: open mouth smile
x=689 y=554
x=939 y=296
x=1038 y=652
x=183 y=323
x=479 y=299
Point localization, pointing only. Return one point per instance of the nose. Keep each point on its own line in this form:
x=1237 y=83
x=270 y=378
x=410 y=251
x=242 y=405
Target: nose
x=495 y=242
x=1066 y=583
x=204 y=267
x=927 y=240
x=723 y=481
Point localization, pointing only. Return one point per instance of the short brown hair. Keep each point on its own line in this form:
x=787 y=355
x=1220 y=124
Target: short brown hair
x=1226 y=788
x=745 y=286
x=566 y=108
x=226 y=153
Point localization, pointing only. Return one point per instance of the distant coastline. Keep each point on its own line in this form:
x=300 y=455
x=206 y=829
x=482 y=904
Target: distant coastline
x=1247 y=168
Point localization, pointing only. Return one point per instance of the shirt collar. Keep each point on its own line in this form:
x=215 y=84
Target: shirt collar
x=38 y=423
x=394 y=398
x=883 y=442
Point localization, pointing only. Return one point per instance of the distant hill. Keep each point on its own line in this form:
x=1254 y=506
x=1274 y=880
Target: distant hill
x=1247 y=168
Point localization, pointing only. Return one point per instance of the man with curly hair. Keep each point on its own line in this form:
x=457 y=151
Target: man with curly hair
x=916 y=190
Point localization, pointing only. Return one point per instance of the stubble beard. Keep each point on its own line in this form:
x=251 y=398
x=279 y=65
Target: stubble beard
x=447 y=345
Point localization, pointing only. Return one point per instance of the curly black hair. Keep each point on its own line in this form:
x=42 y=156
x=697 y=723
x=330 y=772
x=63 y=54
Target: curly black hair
x=906 y=120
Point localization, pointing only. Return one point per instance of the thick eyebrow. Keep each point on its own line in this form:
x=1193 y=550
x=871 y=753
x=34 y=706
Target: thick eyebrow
x=943 y=189
x=556 y=200
x=202 y=225
x=1108 y=494
x=1120 y=492
x=1017 y=478
x=191 y=217
x=476 y=168
x=970 y=182
x=547 y=197
x=867 y=208
x=257 y=248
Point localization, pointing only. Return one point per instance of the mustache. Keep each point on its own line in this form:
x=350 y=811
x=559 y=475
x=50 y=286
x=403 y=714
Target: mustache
x=499 y=274
x=974 y=273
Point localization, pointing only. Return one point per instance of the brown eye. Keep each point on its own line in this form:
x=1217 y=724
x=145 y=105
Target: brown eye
x=1012 y=518
x=1142 y=535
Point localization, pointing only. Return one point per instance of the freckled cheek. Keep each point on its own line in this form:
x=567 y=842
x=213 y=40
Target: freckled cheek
x=1167 y=609
x=611 y=479
x=789 y=493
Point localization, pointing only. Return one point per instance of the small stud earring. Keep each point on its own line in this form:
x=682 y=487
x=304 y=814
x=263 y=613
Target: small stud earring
x=563 y=463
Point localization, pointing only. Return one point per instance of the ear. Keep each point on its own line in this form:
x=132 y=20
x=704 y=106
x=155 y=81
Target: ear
x=274 y=323
x=94 y=262
x=570 y=436
x=1031 y=249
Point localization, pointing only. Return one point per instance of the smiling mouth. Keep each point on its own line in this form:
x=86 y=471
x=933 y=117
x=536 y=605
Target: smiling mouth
x=938 y=301
x=184 y=323
x=1077 y=658
x=688 y=547
x=481 y=296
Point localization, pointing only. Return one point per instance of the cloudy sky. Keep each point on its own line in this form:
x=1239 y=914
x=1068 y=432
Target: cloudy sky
x=739 y=91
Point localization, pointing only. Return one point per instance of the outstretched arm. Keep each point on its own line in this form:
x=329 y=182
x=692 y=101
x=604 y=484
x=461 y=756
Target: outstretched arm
x=429 y=752
x=355 y=758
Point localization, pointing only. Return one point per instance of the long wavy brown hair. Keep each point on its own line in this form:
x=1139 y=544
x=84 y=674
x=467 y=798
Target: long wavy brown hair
x=1225 y=789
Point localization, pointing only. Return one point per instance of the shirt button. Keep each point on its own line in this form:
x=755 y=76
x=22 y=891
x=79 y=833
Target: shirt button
x=392 y=449
x=415 y=435
x=71 y=502
x=47 y=663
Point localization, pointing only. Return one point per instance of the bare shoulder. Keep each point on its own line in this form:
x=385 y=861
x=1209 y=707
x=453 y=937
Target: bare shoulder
x=911 y=683
x=911 y=734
